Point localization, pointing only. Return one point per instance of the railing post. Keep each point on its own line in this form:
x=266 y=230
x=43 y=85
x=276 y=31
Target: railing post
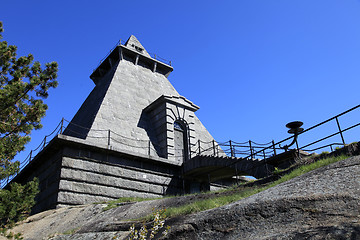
x=297 y=148
x=231 y=149
x=251 y=150
x=44 y=142
x=149 y=147
x=236 y=173
x=273 y=144
x=190 y=152
x=234 y=150
x=62 y=125
x=338 y=124
x=213 y=142
x=199 y=146
x=264 y=154
x=183 y=183
x=109 y=131
x=30 y=155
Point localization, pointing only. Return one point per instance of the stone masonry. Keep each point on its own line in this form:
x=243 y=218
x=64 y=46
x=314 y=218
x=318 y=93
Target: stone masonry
x=122 y=141
x=128 y=83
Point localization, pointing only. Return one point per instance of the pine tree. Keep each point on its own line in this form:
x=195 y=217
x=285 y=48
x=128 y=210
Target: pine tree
x=23 y=86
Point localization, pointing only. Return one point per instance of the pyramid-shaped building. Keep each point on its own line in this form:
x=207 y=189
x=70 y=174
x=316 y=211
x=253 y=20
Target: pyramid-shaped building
x=130 y=138
x=136 y=105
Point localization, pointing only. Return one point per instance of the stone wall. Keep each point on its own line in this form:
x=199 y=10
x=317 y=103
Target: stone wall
x=71 y=172
x=46 y=167
x=114 y=148
x=90 y=176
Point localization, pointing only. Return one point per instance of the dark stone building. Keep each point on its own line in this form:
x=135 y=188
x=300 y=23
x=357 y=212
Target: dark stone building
x=130 y=137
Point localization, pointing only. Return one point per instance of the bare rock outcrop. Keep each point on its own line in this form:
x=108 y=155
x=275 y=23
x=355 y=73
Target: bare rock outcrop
x=321 y=204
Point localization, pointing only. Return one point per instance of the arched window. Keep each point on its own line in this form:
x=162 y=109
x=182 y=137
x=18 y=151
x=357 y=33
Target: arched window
x=180 y=141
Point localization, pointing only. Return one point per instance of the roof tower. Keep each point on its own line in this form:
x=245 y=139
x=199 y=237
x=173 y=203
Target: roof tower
x=134 y=103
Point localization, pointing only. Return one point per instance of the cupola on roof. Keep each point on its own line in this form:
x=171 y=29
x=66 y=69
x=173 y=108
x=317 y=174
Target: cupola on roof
x=133 y=43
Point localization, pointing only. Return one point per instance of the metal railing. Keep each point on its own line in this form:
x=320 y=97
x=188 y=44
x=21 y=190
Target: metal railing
x=104 y=137
x=275 y=147
x=32 y=154
x=120 y=42
x=241 y=150
x=235 y=149
x=157 y=57
x=251 y=149
x=112 y=139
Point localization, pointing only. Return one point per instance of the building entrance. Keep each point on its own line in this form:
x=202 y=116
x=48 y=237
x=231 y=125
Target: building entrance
x=180 y=142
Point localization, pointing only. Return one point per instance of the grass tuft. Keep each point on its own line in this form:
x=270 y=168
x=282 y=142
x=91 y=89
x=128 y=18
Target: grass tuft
x=221 y=200
x=307 y=168
x=117 y=202
x=224 y=200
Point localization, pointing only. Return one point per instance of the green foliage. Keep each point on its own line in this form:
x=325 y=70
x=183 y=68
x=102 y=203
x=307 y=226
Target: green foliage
x=71 y=231
x=23 y=85
x=16 y=203
x=210 y=203
x=219 y=200
x=278 y=171
x=158 y=218
x=115 y=203
x=10 y=235
x=323 y=154
x=222 y=200
x=307 y=168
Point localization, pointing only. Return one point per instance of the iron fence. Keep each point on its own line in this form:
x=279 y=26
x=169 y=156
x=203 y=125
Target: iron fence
x=34 y=152
x=240 y=150
x=274 y=148
x=121 y=42
x=251 y=149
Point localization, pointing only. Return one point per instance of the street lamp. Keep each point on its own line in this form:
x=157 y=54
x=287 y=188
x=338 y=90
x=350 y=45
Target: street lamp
x=295 y=128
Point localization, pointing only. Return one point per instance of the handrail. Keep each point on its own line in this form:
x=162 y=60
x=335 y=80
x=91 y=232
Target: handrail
x=119 y=43
x=31 y=155
x=111 y=136
x=201 y=147
x=263 y=161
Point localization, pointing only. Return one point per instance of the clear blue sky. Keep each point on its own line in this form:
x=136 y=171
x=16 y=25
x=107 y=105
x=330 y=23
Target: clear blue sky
x=251 y=65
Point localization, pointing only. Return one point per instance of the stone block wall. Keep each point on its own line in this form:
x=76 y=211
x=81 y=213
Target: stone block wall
x=46 y=167
x=71 y=172
x=87 y=176
x=177 y=112
x=164 y=112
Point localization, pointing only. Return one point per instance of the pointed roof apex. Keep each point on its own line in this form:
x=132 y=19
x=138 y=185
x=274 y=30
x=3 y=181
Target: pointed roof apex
x=134 y=44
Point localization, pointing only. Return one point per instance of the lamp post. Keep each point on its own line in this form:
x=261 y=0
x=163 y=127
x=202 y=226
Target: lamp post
x=295 y=128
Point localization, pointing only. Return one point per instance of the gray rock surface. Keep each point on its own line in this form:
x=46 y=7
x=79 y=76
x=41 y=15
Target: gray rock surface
x=322 y=204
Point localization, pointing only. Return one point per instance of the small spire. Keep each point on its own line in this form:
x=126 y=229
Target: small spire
x=133 y=43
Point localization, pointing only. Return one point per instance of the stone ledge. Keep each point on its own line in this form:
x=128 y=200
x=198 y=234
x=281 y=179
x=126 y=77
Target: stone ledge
x=92 y=145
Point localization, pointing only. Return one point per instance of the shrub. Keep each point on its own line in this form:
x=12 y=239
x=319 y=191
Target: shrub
x=158 y=218
x=16 y=203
